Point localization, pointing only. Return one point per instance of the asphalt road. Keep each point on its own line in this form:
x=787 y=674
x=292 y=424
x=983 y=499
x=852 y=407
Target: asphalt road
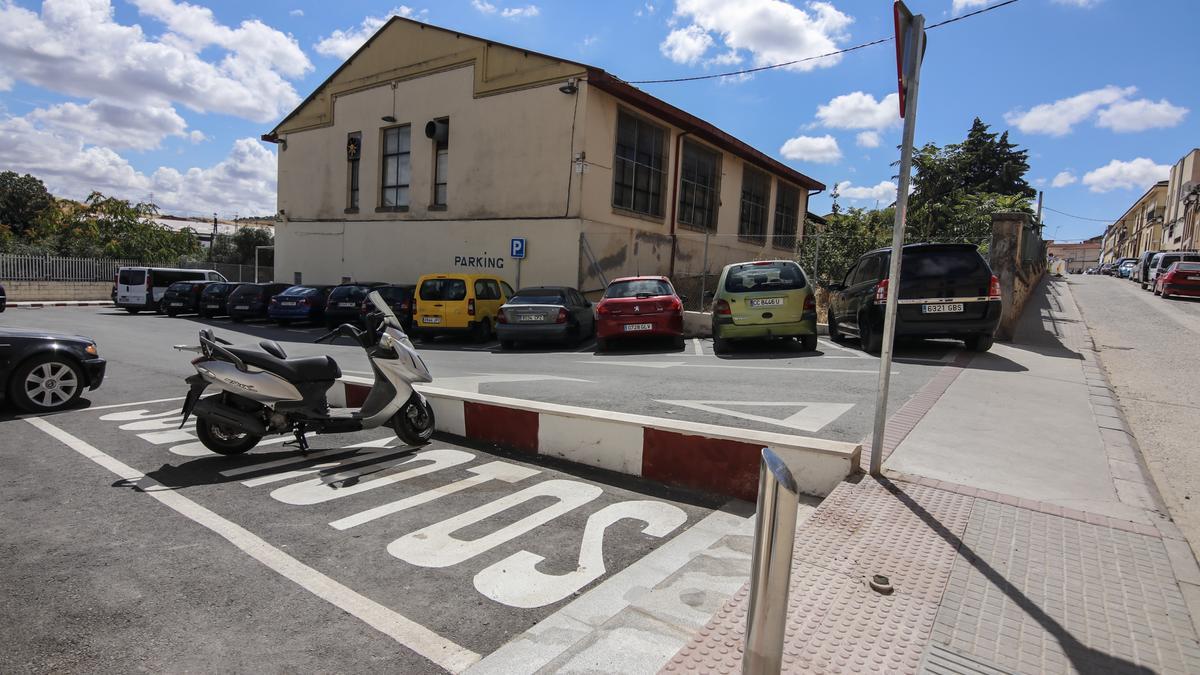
x=776 y=387
x=1149 y=347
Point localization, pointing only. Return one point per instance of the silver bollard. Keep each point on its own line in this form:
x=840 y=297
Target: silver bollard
x=771 y=570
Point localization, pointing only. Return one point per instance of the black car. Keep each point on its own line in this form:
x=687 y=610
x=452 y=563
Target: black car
x=43 y=372
x=400 y=298
x=250 y=301
x=3 y=298
x=213 y=299
x=183 y=297
x=946 y=291
x=345 y=303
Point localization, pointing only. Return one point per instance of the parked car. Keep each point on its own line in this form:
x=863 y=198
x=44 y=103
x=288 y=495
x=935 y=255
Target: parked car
x=764 y=299
x=250 y=301
x=458 y=304
x=1141 y=269
x=1126 y=267
x=1161 y=261
x=545 y=313
x=400 y=298
x=214 y=299
x=3 y=298
x=1181 y=278
x=639 y=307
x=299 y=303
x=183 y=297
x=346 y=301
x=946 y=291
x=1105 y=269
x=139 y=289
x=43 y=372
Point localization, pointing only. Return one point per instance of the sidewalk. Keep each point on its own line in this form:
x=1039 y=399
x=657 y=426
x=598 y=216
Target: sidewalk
x=1014 y=522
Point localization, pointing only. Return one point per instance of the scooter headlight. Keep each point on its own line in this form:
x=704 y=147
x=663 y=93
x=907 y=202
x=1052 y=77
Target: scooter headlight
x=387 y=342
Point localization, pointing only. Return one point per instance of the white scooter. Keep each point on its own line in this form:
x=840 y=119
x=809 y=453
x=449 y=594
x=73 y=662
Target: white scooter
x=265 y=392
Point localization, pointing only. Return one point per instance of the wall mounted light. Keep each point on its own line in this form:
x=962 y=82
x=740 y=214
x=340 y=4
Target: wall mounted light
x=570 y=87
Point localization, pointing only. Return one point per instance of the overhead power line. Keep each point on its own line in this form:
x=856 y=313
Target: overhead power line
x=1071 y=215
x=872 y=43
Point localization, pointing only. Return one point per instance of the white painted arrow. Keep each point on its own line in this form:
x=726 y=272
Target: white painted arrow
x=812 y=416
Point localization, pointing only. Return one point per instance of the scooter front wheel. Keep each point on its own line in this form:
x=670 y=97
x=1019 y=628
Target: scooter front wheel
x=224 y=441
x=414 y=422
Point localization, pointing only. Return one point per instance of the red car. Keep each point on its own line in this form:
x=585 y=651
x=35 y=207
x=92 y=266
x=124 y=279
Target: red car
x=1181 y=278
x=639 y=307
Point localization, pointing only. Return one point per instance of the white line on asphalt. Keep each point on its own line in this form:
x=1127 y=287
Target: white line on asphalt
x=697 y=349
x=680 y=364
x=439 y=650
x=834 y=345
x=126 y=405
x=589 y=347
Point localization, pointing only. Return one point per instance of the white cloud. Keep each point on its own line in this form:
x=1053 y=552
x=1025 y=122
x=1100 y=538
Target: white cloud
x=116 y=126
x=867 y=139
x=859 y=110
x=526 y=12
x=1085 y=4
x=483 y=6
x=686 y=45
x=341 y=44
x=884 y=192
x=1059 y=117
x=244 y=181
x=773 y=31
x=1126 y=116
x=296 y=12
x=1138 y=173
x=75 y=47
x=1063 y=179
x=647 y=8
x=820 y=149
x=960 y=5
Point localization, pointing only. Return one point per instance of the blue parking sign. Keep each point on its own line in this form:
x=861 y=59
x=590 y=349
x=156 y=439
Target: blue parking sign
x=518 y=248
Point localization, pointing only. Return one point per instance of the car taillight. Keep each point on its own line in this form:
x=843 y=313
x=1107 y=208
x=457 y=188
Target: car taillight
x=602 y=308
x=562 y=316
x=810 y=303
x=675 y=305
x=881 y=291
x=500 y=318
x=471 y=307
x=721 y=307
x=994 y=288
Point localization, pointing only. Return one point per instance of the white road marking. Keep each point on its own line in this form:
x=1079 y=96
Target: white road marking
x=287 y=475
x=830 y=343
x=697 y=348
x=322 y=489
x=810 y=417
x=406 y=632
x=470 y=383
x=197 y=449
x=589 y=347
x=134 y=415
x=126 y=405
x=681 y=364
x=509 y=473
x=299 y=458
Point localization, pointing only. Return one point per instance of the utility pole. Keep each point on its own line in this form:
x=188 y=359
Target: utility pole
x=1039 y=211
x=212 y=243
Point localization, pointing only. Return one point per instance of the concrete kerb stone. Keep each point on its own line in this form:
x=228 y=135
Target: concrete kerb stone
x=705 y=457
x=34 y=304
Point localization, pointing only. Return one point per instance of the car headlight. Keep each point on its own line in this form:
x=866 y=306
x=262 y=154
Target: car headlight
x=91 y=349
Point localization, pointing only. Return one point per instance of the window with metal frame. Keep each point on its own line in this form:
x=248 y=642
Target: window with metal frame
x=638 y=172
x=441 y=170
x=752 y=222
x=397 y=168
x=787 y=213
x=353 y=155
x=698 y=191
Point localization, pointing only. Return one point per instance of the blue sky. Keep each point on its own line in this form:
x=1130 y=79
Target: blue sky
x=168 y=98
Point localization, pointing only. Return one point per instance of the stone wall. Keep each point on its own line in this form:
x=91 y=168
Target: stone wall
x=1017 y=278
x=19 y=291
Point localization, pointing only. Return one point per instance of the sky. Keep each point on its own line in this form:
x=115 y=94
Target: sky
x=166 y=100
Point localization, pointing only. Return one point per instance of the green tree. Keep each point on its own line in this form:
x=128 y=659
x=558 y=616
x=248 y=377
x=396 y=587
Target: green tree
x=829 y=253
x=24 y=201
x=115 y=228
x=247 y=238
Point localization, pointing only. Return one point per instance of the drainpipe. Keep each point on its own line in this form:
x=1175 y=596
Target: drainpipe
x=675 y=201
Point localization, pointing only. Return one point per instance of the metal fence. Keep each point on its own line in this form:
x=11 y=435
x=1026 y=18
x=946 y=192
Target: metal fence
x=60 y=268
x=1033 y=247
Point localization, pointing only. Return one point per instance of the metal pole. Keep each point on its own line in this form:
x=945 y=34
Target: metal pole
x=1039 y=213
x=518 y=274
x=889 y=317
x=817 y=259
x=771 y=569
x=704 y=272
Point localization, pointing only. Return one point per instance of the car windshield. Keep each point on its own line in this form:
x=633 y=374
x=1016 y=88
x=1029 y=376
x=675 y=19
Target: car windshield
x=132 y=277
x=638 y=288
x=299 y=291
x=248 y=290
x=443 y=289
x=537 y=296
x=1188 y=267
x=382 y=307
x=764 y=276
x=940 y=264
x=180 y=286
x=355 y=293
x=215 y=289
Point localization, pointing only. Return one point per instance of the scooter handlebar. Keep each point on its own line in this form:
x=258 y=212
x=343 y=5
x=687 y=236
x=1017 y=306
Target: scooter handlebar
x=344 y=330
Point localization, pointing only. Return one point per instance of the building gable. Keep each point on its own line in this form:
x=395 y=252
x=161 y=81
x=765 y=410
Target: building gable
x=405 y=49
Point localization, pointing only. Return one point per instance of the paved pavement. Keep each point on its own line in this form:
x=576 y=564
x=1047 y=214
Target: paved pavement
x=828 y=394
x=1149 y=349
x=1088 y=577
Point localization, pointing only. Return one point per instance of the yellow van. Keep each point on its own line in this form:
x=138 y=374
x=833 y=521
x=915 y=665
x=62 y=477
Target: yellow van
x=458 y=304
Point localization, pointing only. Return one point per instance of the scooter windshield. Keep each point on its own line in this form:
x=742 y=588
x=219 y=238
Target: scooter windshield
x=383 y=308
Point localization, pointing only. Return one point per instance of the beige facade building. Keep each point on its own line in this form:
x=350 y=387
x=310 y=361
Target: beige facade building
x=1079 y=256
x=430 y=151
x=1181 y=227
x=1140 y=228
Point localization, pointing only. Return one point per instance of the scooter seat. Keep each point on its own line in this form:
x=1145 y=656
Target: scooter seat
x=305 y=369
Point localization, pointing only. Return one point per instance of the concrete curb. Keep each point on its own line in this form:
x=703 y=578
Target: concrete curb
x=33 y=304
x=706 y=457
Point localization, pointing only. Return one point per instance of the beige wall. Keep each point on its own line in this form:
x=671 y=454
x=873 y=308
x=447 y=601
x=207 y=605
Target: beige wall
x=23 y=291
x=1178 y=234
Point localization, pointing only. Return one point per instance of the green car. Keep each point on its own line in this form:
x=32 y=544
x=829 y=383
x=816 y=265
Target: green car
x=764 y=299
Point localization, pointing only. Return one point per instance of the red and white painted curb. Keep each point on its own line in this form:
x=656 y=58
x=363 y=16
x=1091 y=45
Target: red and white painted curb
x=61 y=303
x=705 y=457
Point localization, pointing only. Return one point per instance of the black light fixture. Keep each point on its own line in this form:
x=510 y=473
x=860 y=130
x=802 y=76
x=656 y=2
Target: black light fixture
x=570 y=87
x=391 y=119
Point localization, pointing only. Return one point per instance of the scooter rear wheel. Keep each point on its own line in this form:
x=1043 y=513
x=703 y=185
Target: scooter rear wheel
x=414 y=422
x=224 y=441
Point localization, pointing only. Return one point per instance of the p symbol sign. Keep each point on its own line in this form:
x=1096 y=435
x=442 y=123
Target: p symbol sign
x=517 y=250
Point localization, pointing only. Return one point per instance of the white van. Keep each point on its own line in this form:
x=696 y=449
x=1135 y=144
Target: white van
x=142 y=288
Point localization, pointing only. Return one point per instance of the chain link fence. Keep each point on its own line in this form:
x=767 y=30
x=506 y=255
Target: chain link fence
x=61 y=268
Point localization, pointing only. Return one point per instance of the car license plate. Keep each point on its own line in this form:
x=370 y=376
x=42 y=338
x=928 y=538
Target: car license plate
x=212 y=306
x=241 y=306
x=288 y=304
x=766 y=302
x=534 y=317
x=630 y=327
x=1193 y=278
x=431 y=319
x=345 y=304
x=177 y=304
x=944 y=308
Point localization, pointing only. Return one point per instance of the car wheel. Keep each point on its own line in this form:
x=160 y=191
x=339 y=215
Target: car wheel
x=677 y=342
x=870 y=341
x=1154 y=290
x=224 y=441
x=1166 y=295
x=720 y=344
x=236 y=319
x=979 y=343
x=132 y=310
x=172 y=313
x=45 y=384
x=507 y=344
x=835 y=333
x=283 y=322
x=808 y=343
x=482 y=331
x=601 y=344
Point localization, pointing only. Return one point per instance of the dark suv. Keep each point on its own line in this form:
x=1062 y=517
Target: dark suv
x=250 y=301
x=183 y=297
x=946 y=291
x=346 y=302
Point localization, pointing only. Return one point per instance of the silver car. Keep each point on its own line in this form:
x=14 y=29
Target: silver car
x=545 y=314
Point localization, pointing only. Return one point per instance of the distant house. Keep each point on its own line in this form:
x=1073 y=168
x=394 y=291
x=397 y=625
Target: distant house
x=430 y=150
x=1078 y=256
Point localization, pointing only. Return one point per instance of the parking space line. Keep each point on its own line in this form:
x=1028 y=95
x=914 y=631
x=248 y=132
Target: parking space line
x=697 y=349
x=126 y=405
x=406 y=632
x=830 y=343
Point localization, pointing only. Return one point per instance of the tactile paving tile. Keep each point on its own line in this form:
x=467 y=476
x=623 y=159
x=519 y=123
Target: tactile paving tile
x=1036 y=593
